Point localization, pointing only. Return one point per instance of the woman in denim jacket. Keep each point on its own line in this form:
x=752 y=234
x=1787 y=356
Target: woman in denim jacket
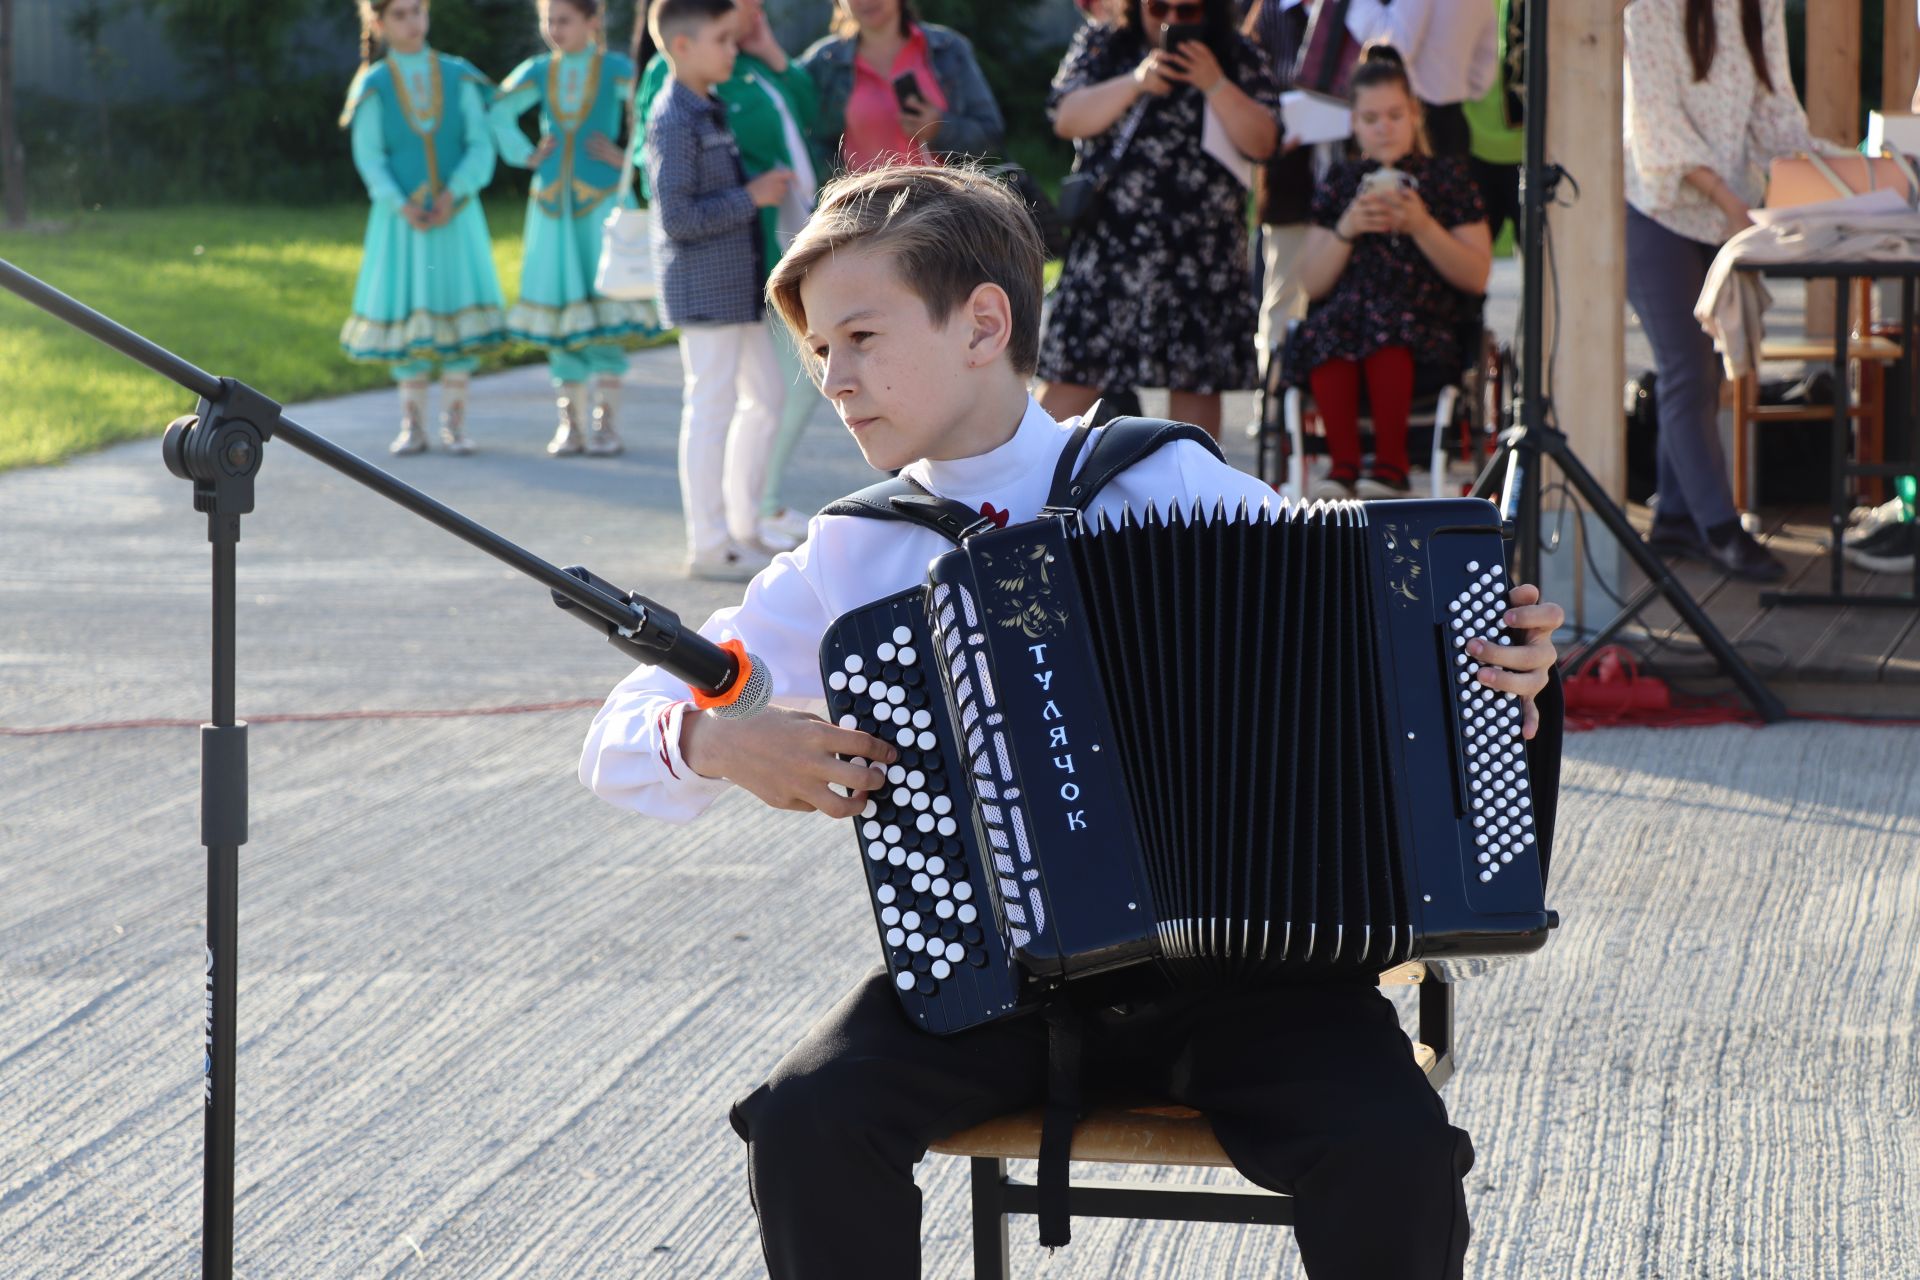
x=862 y=122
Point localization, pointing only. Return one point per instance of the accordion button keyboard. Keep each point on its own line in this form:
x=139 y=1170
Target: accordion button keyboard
x=915 y=838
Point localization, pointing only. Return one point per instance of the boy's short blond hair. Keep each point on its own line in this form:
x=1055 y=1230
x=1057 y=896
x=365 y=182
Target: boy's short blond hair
x=949 y=230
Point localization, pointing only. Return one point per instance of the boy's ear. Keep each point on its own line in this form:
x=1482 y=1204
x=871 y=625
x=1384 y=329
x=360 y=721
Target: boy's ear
x=989 y=316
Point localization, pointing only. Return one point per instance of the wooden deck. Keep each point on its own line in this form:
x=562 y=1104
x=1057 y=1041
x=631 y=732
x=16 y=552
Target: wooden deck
x=1848 y=660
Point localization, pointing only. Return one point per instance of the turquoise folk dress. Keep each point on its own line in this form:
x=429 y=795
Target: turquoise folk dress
x=419 y=126
x=579 y=95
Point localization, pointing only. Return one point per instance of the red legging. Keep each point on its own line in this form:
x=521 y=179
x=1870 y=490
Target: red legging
x=1336 y=389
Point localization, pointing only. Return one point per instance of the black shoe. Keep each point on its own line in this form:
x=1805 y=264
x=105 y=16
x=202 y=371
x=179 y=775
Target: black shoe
x=1895 y=537
x=1889 y=551
x=1676 y=537
x=1740 y=556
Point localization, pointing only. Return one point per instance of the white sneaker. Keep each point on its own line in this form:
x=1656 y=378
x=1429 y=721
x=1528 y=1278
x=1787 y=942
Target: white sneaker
x=1873 y=519
x=788 y=524
x=732 y=563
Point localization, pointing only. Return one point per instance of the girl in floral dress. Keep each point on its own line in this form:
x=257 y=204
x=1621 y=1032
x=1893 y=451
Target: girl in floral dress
x=427 y=292
x=1399 y=247
x=582 y=91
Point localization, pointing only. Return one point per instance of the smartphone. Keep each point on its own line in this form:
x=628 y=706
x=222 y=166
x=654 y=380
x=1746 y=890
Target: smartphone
x=906 y=90
x=1179 y=32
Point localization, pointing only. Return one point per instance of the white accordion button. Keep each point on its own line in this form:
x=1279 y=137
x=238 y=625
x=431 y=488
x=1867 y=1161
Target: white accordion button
x=857 y=685
x=871 y=808
x=891 y=834
x=937 y=866
x=963 y=891
x=1485 y=876
x=896 y=695
x=916 y=943
x=889 y=916
x=884 y=653
x=916 y=779
x=896 y=856
x=903 y=980
x=924 y=822
x=896 y=937
x=896 y=774
x=876 y=851
x=838 y=680
x=848 y=722
x=911 y=920
x=905 y=738
x=943 y=909
x=922 y=882
x=940 y=886
x=871 y=829
x=923 y=719
x=883 y=713
x=920 y=800
x=955 y=952
x=940 y=969
x=943 y=805
x=853 y=663
x=966 y=913
x=927 y=741
x=902 y=635
x=947 y=825
x=915 y=861
x=902 y=796
x=878 y=690
x=908 y=657
x=884 y=893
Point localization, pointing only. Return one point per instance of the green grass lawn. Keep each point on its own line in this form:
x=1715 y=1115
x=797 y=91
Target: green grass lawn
x=256 y=294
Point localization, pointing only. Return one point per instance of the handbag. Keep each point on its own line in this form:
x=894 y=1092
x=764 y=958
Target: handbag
x=625 y=270
x=1328 y=52
x=1813 y=178
x=1083 y=190
x=1046 y=218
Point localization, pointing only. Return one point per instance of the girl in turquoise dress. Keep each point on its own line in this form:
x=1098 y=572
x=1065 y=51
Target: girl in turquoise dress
x=582 y=92
x=427 y=292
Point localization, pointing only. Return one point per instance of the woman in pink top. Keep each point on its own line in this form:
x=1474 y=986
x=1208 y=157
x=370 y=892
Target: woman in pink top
x=943 y=106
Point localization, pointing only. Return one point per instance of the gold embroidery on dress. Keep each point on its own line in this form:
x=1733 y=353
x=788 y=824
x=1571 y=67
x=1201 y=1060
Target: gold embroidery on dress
x=425 y=131
x=568 y=123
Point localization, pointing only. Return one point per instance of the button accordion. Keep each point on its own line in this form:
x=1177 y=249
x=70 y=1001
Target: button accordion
x=1190 y=749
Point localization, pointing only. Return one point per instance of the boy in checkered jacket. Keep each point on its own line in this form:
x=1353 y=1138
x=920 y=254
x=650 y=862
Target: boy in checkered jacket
x=706 y=248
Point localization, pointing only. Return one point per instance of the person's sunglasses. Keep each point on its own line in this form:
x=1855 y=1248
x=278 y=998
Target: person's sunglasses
x=1179 y=10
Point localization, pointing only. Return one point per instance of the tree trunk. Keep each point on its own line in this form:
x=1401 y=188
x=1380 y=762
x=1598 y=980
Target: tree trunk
x=13 y=176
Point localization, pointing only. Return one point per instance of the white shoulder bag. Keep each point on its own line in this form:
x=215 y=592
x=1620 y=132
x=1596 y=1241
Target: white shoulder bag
x=625 y=273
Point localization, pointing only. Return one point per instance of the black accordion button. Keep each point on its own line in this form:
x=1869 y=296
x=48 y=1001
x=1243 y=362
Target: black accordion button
x=926 y=986
x=910 y=757
x=950 y=846
x=977 y=958
x=934 y=764
x=924 y=903
x=972 y=934
x=950 y=930
x=841 y=702
x=912 y=679
x=890 y=673
x=921 y=963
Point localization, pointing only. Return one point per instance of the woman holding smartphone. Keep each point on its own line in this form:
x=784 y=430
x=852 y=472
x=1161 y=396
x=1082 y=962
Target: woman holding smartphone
x=895 y=89
x=1156 y=290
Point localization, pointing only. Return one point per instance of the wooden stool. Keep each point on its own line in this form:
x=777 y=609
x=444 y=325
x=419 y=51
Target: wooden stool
x=1151 y=1132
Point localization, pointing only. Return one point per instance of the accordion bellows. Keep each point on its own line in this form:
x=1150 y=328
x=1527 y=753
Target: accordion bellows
x=1210 y=748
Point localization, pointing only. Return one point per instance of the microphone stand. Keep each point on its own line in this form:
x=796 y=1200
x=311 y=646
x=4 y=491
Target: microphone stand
x=220 y=448
x=1515 y=471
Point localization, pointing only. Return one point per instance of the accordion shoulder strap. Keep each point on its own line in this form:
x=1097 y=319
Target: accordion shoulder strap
x=903 y=498
x=1122 y=442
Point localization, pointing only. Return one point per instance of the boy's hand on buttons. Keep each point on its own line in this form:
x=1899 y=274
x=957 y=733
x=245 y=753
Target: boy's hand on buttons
x=788 y=758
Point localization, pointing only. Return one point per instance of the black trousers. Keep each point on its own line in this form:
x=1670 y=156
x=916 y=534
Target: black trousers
x=1447 y=131
x=1312 y=1090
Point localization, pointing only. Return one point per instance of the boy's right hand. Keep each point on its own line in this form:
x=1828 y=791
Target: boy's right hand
x=787 y=758
x=770 y=188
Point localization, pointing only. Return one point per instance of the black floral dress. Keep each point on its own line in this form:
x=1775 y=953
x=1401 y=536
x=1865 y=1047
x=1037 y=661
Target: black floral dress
x=1390 y=295
x=1156 y=292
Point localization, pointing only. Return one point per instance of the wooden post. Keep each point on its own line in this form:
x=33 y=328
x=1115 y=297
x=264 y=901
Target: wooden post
x=1585 y=100
x=1833 y=107
x=1899 y=57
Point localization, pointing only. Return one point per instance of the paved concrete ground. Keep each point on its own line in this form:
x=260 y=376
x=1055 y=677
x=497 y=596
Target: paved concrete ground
x=490 y=1027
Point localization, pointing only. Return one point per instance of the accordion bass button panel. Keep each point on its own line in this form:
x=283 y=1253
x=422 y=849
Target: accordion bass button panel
x=925 y=876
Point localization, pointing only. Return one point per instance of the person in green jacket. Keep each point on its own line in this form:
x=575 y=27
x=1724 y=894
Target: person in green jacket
x=771 y=105
x=1498 y=145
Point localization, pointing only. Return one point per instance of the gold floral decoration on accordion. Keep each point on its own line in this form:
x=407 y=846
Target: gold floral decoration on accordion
x=1403 y=563
x=1025 y=592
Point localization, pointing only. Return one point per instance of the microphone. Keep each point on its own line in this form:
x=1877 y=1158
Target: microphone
x=725 y=678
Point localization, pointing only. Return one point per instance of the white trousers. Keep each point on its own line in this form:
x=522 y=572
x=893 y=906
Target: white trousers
x=1281 y=298
x=729 y=413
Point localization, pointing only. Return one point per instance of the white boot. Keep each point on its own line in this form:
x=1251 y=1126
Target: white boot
x=603 y=441
x=413 y=418
x=453 y=414
x=571 y=402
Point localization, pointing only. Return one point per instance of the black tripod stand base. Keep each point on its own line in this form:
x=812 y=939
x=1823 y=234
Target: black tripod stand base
x=1517 y=471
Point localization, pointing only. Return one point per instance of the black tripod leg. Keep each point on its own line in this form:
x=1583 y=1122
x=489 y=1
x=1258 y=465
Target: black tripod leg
x=1764 y=703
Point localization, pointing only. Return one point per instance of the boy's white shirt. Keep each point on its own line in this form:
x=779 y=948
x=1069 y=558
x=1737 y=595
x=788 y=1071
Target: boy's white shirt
x=632 y=753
